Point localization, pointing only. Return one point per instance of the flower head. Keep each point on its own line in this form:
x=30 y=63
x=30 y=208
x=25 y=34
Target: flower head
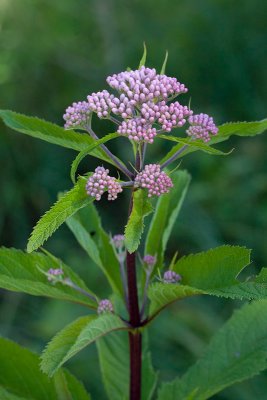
x=202 y=126
x=54 y=272
x=156 y=181
x=105 y=306
x=149 y=260
x=118 y=241
x=100 y=181
x=145 y=84
x=137 y=129
x=77 y=115
x=171 y=277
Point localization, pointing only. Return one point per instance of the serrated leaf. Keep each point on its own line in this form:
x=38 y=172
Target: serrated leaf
x=225 y=132
x=162 y=71
x=113 y=351
x=64 y=208
x=237 y=352
x=88 y=151
x=195 y=144
x=214 y=268
x=163 y=294
x=74 y=337
x=21 y=378
x=86 y=227
x=165 y=215
x=135 y=226
x=50 y=132
x=212 y=272
x=143 y=59
x=22 y=272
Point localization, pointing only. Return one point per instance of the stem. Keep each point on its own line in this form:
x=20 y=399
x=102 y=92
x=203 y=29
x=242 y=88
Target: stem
x=135 y=338
x=126 y=184
x=174 y=156
x=116 y=121
x=135 y=342
x=108 y=152
x=69 y=283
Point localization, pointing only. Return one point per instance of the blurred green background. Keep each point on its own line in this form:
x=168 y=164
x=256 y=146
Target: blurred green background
x=55 y=52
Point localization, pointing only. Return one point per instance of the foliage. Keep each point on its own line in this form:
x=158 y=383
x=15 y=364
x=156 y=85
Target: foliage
x=228 y=358
x=21 y=378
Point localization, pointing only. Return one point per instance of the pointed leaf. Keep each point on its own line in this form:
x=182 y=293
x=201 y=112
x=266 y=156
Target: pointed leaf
x=50 y=132
x=64 y=208
x=143 y=59
x=225 y=132
x=213 y=273
x=214 y=268
x=165 y=215
x=135 y=226
x=21 y=378
x=22 y=272
x=86 y=227
x=237 y=352
x=88 y=151
x=195 y=144
x=162 y=72
x=74 y=337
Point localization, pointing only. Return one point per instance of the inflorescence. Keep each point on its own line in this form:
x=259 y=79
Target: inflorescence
x=171 y=277
x=105 y=306
x=144 y=107
x=100 y=182
x=156 y=181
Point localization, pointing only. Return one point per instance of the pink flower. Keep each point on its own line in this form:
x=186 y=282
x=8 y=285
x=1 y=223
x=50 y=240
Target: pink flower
x=156 y=181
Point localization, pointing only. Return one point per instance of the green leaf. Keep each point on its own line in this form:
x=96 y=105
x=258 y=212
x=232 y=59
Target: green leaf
x=22 y=272
x=195 y=144
x=64 y=208
x=213 y=273
x=135 y=226
x=237 y=352
x=113 y=351
x=240 y=129
x=88 y=151
x=163 y=294
x=162 y=71
x=21 y=378
x=74 y=337
x=214 y=268
x=143 y=59
x=86 y=227
x=225 y=132
x=6 y=395
x=50 y=132
x=166 y=213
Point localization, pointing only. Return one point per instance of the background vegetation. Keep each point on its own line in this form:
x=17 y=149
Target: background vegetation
x=55 y=52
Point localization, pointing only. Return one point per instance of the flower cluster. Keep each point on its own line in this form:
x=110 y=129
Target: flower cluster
x=171 y=277
x=149 y=260
x=202 y=126
x=137 y=129
x=104 y=306
x=103 y=103
x=168 y=116
x=99 y=182
x=118 y=241
x=152 y=178
x=145 y=84
x=77 y=115
x=54 y=272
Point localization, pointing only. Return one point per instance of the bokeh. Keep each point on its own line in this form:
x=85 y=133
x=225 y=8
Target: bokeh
x=55 y=52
